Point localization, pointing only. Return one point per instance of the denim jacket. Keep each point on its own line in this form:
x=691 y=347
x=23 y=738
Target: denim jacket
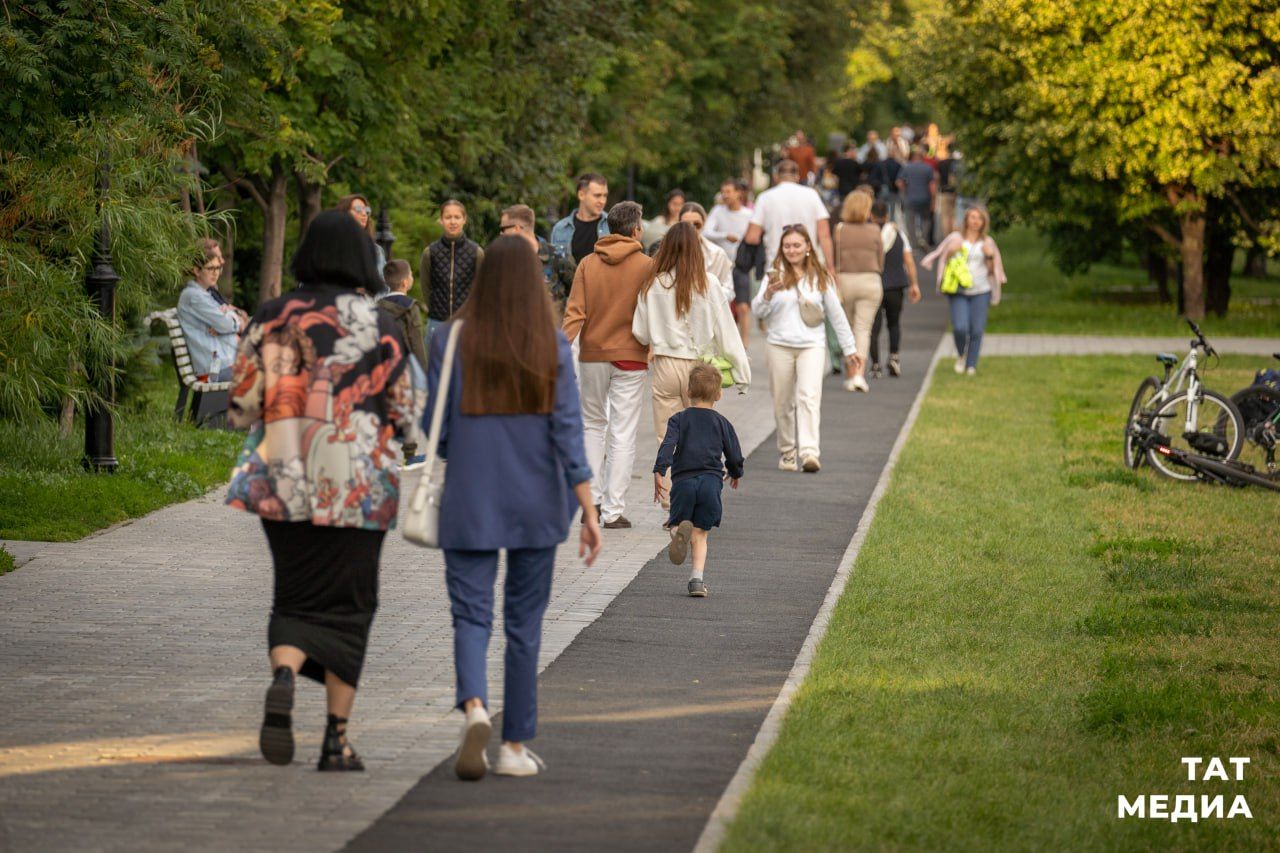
x=562 y=235
x=210 y=326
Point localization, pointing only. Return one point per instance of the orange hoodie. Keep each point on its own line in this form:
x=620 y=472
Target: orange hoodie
x=603 y=300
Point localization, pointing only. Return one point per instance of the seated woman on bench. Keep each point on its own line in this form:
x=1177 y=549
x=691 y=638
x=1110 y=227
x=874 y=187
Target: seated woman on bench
x=210 y=323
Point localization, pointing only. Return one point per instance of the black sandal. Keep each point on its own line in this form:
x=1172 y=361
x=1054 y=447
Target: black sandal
x=337 y=752
x=276 y=738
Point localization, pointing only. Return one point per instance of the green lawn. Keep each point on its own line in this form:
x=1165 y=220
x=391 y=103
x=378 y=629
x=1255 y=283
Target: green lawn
x=1112 y=300
x=46 y=495
x=1031 y=630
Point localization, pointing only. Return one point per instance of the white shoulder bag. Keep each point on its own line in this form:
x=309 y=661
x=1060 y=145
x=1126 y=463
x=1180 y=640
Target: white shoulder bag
x=422 y=520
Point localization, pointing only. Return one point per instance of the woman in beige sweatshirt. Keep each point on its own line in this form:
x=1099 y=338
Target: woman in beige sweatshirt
x=682 y=316
x=859 y=261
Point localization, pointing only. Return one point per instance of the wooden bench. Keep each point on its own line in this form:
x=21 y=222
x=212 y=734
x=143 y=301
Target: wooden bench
x=209 y=400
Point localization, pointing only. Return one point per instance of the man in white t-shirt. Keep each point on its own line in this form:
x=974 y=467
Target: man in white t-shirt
x=789 y=203
x=728 y=221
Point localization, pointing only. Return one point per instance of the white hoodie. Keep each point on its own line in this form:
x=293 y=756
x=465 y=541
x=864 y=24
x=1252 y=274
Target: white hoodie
x=708 y=328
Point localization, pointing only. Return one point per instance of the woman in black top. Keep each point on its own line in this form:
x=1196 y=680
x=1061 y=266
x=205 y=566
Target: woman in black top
x=898 y=278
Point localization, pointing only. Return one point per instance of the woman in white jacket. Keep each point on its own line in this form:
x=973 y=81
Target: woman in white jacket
x=797 y=285
x=682 y=316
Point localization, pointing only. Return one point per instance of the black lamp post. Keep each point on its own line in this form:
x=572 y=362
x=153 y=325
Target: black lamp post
x=384 y=237
x=99 y=428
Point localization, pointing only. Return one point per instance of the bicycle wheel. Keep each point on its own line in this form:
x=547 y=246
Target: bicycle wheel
x=1237 y=477
x=1259 y=405
x=1133 y=455
x=1218 y=431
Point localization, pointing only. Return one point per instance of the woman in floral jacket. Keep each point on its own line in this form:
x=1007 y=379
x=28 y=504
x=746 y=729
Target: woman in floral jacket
x=322 y=380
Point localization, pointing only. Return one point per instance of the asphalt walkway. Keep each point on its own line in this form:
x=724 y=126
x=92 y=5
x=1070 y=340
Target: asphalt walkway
x=647 y=714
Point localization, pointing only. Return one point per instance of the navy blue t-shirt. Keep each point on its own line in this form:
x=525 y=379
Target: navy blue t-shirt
x=696 y=440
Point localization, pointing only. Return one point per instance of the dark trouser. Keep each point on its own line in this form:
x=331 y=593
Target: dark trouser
x=891 y=309
x=920 y=224
x=470 y=577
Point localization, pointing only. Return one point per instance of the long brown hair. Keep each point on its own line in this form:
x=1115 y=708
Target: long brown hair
x=345 y=203
x=813 y=268
x=509 y=353
x=681 y=255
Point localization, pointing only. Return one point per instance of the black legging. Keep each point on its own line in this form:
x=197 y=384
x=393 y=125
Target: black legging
x=891 y=307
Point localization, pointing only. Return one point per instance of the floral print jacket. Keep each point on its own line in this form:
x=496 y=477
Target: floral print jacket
x=323 y=382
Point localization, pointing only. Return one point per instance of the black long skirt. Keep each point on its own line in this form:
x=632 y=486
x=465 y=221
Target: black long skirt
x=326 y=592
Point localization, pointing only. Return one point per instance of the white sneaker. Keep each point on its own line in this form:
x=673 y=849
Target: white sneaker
x=522 y=763
x=959 y=365
x=851 y=384
x=788 y=463
x=812 y=465
x=860 y=383
x=972 y=371
x=472 y=762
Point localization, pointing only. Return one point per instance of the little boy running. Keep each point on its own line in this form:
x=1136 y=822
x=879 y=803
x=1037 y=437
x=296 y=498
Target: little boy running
x=696 y=440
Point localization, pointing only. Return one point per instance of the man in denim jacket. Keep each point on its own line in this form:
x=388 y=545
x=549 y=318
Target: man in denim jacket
x=574 y=237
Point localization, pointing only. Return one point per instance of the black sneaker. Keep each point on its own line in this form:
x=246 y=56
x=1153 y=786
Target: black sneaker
x=276 y=738
x=698 y=588
x=619 y=523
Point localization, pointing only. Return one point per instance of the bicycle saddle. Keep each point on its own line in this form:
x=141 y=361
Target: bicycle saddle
x=1166 y=358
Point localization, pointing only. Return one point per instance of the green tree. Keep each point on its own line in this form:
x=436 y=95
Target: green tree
x=1161 y=107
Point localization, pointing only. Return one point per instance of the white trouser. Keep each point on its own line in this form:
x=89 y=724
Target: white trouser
x=611 y=404
x=795 y=378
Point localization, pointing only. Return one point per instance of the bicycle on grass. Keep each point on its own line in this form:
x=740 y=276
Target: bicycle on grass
x=1210 y=423
x=1259 y=406
x=1197 y=466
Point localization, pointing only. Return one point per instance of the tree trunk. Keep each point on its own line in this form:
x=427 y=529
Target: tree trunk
x=1158 y=273
x=1255 y=262
x=308 y=202
x=1192 y=253
x=274 y=215
x=1219 y=253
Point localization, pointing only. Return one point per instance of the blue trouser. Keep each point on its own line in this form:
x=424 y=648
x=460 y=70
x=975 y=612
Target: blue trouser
x=470 y=576
x=968 y=322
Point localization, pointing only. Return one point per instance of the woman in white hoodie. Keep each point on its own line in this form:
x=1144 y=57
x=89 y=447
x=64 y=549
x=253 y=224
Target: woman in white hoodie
x=682 y=316
x=797 y=295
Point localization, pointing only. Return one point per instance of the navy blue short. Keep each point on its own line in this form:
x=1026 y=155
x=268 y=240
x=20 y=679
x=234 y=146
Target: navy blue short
x=697 y=499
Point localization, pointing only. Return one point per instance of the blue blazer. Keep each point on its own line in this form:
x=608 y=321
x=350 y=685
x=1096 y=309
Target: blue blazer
x=510 y=478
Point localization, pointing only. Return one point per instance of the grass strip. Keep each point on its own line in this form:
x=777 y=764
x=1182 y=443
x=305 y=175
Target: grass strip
x=1113 y=298
x=46 y=495
x=1031 y=630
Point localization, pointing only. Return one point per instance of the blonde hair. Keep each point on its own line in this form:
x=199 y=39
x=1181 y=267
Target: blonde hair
x=856 y=208
x=986 y=220
x=813 y=268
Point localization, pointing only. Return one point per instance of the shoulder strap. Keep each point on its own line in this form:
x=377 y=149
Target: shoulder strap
x=442 y=397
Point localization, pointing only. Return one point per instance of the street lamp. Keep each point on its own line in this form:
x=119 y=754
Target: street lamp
x=384 y=237
x=99 y=427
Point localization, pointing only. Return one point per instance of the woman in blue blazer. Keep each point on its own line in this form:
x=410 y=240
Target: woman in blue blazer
x=517 y=473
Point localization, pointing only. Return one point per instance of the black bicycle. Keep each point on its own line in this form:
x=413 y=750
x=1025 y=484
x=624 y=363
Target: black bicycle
x=1203 y=468
x=1259 y=406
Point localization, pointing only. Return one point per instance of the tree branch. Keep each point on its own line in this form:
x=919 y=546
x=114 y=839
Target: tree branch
x=1164 y=234
x=1244 y=214
x=234 y=180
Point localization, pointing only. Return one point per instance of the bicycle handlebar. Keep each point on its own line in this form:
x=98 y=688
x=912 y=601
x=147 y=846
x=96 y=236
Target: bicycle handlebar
x=1200 y=339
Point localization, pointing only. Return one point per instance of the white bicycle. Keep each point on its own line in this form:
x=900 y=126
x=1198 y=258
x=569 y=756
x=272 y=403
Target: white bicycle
x=1210 y=423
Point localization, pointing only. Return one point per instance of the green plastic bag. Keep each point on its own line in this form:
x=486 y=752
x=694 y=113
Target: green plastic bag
x=724 y=366
x=957 y=274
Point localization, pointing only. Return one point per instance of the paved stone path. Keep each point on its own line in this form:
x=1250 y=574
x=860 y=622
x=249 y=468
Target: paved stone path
x=1006 y=344
x=133 y=666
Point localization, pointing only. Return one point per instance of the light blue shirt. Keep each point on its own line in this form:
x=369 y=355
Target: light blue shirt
x=211 y=328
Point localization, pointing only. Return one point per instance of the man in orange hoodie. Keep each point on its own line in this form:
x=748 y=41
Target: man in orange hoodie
x=611 y=362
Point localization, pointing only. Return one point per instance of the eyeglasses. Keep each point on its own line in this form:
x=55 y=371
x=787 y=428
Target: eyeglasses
x=360 y=208
x=214 y=266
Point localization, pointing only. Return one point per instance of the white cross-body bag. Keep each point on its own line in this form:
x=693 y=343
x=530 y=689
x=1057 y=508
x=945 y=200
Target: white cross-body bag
x=422 y=520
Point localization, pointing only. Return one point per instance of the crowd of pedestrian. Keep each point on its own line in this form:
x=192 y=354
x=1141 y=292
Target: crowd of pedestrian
x=542 y=355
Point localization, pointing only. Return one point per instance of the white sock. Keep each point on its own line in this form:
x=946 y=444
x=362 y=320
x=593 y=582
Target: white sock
x=695 y=575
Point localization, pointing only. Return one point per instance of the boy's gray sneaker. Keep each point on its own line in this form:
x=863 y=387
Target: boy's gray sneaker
x=698 y=588
x=680 y=536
